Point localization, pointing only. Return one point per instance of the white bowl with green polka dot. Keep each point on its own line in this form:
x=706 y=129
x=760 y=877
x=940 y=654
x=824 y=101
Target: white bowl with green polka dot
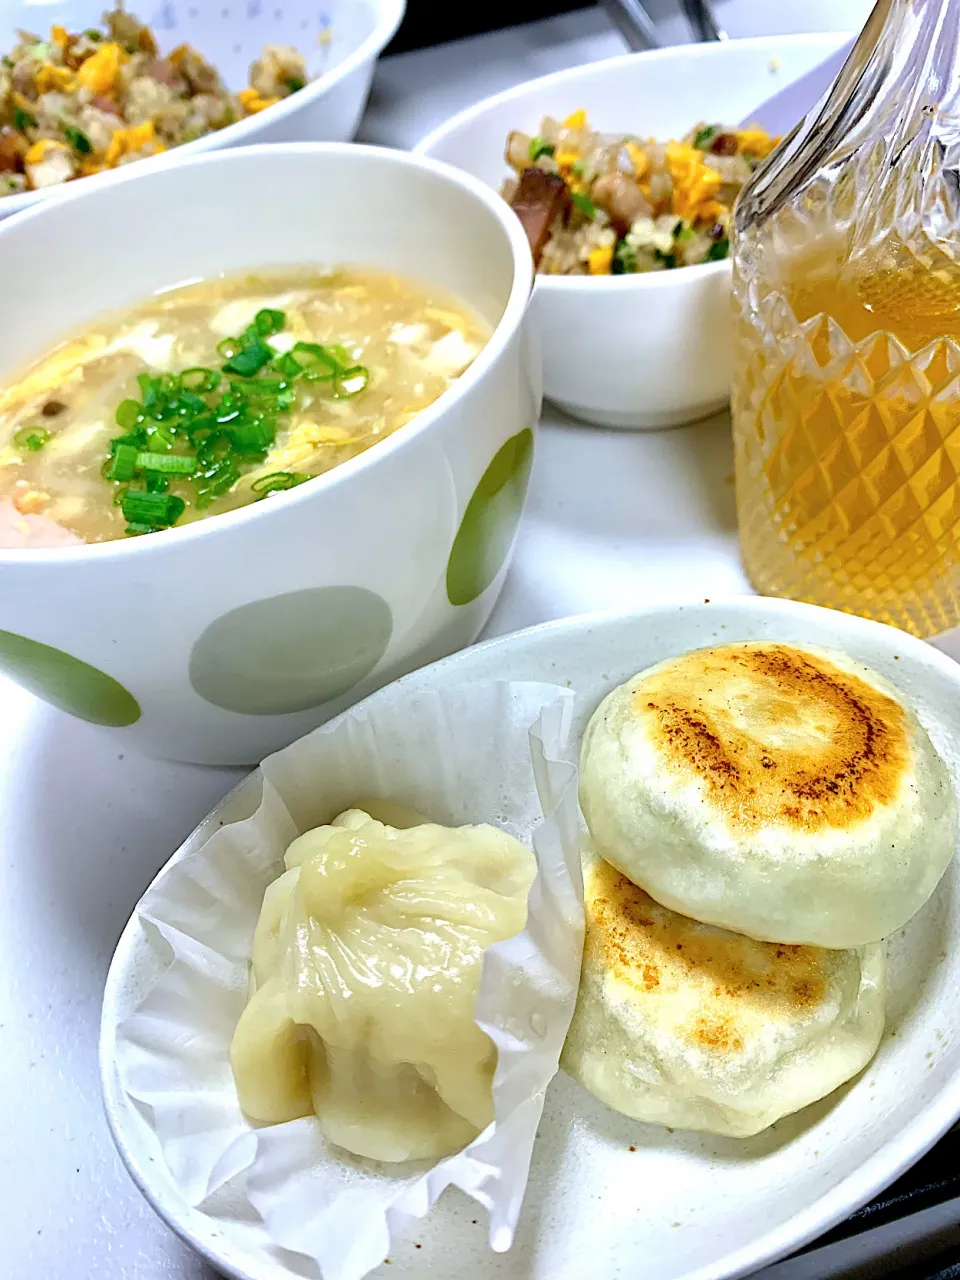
x=225 y=639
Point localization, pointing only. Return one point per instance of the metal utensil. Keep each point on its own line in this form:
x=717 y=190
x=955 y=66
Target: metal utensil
x=637 y=27
x=700 y=16
x=634 y=23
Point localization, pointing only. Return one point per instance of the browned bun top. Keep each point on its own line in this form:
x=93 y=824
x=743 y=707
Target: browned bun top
x=776 y=735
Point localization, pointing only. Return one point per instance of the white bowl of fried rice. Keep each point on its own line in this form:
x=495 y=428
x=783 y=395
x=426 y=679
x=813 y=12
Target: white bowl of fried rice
x=84 y=92
x=624 y=174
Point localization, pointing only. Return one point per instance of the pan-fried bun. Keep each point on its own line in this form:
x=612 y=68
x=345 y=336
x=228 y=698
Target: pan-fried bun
x=780 y=792
x=694 y=1027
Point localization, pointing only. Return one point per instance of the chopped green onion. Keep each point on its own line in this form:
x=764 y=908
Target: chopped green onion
x=189 y=404
x=228 y=413
x=267 y=393
x=34 y=441
x=624 y=259
x=307 y=355
x=212 y=450
x=202 y=427
x=217 y=482
x=705 y=136
x=229 y=347
x=341 y=354
x=350 y=382
x=32 y=438
x=132 y=437
x=93 y=34
x=288 y=366
x=668 y=259
x=128 y=414
x=584 y=204
x=717 y=252
x=295 y=84
x=78 y=140
x=23 y=120
x=160 y=437
x=151 y=388
x=577 y=168
x=540 y=147
x=124 y=463
x=268 y=321
x=156 y=510
x=174 y=464
x=219 y=457
x=250 y=360
x=252 y=437
x=257 y=388
x=200 y=379
x=682 y=232
x=277 y=481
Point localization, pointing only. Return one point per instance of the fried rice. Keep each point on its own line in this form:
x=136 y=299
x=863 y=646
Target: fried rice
x=609 y=204
x=78 y=103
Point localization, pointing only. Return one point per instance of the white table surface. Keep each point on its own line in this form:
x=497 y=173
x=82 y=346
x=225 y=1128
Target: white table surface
x=614 y=520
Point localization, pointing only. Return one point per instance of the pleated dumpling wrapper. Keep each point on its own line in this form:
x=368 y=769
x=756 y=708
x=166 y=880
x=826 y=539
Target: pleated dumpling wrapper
x=693 y=1027
x=780 y=792
x=366 y=967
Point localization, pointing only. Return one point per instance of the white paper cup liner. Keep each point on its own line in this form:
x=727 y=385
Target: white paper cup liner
x=490 y=751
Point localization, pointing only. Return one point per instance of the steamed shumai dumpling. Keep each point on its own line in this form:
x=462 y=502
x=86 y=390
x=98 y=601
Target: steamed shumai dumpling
x=366 y=967
x=693 y=1027
x=780 y=792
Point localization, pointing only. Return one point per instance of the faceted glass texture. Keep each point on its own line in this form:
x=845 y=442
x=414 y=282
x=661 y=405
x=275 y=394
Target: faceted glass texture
x=846 y=396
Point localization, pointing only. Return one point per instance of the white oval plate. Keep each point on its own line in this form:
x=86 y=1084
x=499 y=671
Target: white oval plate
x=608 y=1196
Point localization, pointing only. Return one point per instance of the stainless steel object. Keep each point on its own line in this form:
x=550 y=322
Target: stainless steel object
x=637 y=27
x=701 y=17
x=634 y=23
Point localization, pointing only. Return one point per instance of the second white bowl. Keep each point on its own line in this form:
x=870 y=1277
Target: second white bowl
x=650 y=350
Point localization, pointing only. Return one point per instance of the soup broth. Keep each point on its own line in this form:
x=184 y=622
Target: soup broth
x=215 y=395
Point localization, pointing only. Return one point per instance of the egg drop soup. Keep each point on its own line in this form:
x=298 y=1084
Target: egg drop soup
x=212 y=396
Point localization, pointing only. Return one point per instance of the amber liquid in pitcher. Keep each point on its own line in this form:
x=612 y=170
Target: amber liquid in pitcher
x=846 y=386
x=847 y=433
